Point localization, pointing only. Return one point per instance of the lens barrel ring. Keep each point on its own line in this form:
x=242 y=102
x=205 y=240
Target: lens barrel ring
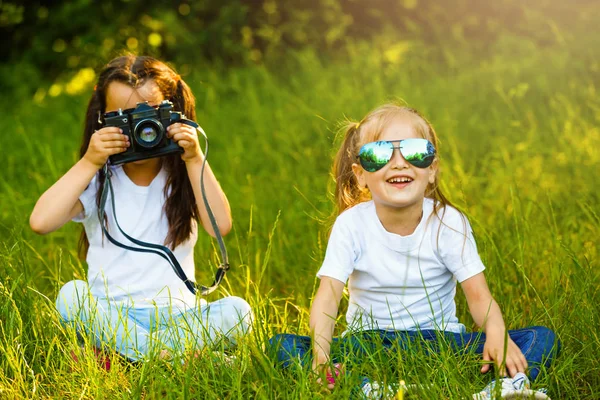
x=148 y=138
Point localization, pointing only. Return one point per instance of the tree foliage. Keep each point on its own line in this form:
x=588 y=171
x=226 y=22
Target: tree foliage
x=50 y=38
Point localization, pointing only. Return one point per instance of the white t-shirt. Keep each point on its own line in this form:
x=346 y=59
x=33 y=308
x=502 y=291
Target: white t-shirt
x=401 y=282
x=125 y=276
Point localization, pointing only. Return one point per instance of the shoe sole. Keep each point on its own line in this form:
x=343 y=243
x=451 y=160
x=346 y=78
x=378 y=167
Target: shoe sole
x=526 y=394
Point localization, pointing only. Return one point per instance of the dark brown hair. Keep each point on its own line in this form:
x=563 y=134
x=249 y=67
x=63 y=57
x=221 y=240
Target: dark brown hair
x=180 y=206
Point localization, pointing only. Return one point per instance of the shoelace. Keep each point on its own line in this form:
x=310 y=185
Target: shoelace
x=519 y=384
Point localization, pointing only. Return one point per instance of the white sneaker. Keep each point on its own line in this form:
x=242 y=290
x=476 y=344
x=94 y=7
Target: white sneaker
x=376 y=391
x=373 y=391
x=517 y=387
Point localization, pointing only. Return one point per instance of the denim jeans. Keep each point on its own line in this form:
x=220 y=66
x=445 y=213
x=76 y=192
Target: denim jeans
x=538 y=344
x=135 y=333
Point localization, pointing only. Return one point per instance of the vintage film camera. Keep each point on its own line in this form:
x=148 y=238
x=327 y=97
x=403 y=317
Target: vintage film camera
x=146 y=127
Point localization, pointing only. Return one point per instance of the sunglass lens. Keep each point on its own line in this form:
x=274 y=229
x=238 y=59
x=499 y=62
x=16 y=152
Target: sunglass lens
x=373 y=156
x=418 y=152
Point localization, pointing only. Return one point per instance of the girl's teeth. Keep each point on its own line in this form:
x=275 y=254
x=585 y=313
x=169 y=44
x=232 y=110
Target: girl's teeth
x=399 y=180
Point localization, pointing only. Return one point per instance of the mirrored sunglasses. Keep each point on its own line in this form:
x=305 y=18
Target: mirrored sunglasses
x=375 y=155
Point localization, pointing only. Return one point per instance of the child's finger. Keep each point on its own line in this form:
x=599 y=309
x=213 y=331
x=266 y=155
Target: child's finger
x=189 y=129
x=333 y=374
x=117 y=150
x=487 y=360
x=183 y=136
x=512 y=367
x=326 y=375
x=178 y=127
x=524 y=361
x=115 y=143
x=108 y=137
x=516 y=358
x=520 y=357
x=185 y=144
x=500 y=364
x=521 y=364
x=501 y=367
x=108 y=130
x=179 y=136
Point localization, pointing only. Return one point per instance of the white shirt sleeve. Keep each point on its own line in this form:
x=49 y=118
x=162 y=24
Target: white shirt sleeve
x=457 y=247
x=88 y=200
x=341 y=253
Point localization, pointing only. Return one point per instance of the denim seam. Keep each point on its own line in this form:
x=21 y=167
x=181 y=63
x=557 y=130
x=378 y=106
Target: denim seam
x=526 y=353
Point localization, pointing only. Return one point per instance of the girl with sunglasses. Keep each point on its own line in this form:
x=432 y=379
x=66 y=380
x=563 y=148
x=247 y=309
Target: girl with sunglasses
x=134 y=302
x=401 y=247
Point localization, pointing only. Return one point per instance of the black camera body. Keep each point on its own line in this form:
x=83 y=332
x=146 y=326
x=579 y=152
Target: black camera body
x=146 y=127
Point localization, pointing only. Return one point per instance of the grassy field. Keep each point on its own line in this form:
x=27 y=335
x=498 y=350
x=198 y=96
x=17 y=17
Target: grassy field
x=520 y=154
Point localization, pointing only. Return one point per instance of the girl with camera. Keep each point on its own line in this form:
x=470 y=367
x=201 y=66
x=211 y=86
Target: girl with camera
x=133 y=302
x=401 y=246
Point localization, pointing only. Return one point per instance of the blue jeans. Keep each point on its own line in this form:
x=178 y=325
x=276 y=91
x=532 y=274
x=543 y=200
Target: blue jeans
x=135 y=333
x=538 y=344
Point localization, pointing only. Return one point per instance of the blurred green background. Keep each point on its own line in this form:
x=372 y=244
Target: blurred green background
x=511 y=87
x=61 y=40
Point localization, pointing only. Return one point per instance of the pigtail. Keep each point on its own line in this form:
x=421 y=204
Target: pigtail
x=347 y=190
x=183 y=98
x=178 y=190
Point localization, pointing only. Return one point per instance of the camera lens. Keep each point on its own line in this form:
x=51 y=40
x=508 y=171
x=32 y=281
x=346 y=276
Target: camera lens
x=148 y=133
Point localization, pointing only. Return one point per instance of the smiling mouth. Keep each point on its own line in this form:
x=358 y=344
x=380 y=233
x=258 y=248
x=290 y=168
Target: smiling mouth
x=399 y=180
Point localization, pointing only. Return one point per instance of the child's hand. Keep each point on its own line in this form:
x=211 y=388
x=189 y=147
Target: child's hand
x=106 y=142
x=328 y=375
x=493 y=350
x=187 y=138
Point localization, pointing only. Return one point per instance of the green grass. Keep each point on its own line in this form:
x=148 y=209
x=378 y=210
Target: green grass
x=519 y=146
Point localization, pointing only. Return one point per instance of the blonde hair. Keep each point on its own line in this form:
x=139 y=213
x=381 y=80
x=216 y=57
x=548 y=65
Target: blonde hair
x=348 y=192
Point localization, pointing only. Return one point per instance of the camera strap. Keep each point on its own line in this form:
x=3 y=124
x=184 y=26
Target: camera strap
x=164 y=251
